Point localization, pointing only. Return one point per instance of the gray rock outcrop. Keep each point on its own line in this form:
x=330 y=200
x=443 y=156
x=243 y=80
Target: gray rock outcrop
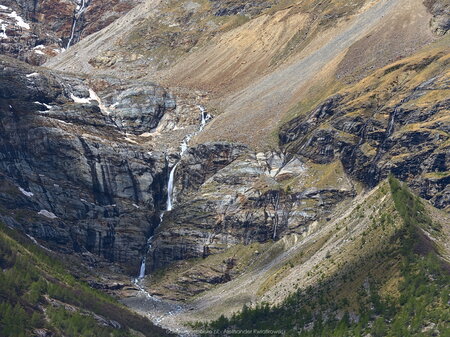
x=70 y=176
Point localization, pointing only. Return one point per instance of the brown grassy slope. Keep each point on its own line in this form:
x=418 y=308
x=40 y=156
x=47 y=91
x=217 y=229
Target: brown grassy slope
x=250 y=115
x=358 y=240
x=358 y=125
x=258 y=64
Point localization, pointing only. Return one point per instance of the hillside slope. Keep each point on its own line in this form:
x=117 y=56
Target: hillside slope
x=393 y=121
x=36 y=30
x=255 y=62
x=203 y=155
x=390 y=279
x=40 y=298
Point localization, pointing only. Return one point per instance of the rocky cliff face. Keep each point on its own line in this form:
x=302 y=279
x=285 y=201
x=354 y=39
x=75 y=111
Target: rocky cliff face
x=440 y=23
x=35 y=31
x=79 y=173
x=395 y=121
x=70 y=174
x=85 y=160
x=227 y=195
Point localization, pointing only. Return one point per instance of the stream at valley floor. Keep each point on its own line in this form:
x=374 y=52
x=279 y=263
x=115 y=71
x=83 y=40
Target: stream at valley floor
x=160 y=311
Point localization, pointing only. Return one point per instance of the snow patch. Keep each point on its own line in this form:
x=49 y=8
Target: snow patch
x=80 y=100
x=24 y=192
x=19 y=20
x=38 y=50
x=3 y=30
x=47 y=214
x=32 y=75
x=64 y=122
x=131 y=140
x=33 y=239
x=37 y=243
x=136 y=206
x=46 y=105
x=3 y=7
x=93 y=96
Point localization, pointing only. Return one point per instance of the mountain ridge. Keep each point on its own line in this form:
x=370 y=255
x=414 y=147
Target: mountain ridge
x=197 y=156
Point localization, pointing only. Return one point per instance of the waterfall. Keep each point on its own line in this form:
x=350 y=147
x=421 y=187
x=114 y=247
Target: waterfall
x=144 y=259
x=205 y=117
x=79 y=11
x=142 y=270
x=170 y=188
x=392 y=122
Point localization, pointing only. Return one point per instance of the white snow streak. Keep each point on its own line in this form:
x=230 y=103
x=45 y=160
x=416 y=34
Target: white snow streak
x=3 y=30
x=19 y=20
x=24 y=192
x=47 y=214
x=93 y=96
x=80 y=100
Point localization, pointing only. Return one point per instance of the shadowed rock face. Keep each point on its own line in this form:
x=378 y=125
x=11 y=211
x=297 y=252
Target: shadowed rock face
x=137 y=107
x=76 y=173
x=69 y=174
x=390 y=131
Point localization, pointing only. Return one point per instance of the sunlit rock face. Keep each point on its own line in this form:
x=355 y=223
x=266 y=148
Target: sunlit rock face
x=392 y=131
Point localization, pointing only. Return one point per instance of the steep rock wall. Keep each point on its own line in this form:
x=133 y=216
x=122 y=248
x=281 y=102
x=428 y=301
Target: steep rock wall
x=70 y=175
x=396 y=120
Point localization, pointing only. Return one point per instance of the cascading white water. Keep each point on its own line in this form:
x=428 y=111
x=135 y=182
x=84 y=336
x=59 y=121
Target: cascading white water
x=390 y=127
x=183 y=148
x=170 y=188
x=142 y=270
x=205 y=117
x=144 y=261
x=75 y=20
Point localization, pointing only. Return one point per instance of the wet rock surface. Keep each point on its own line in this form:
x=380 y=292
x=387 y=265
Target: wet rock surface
x=81 y=171
x=136 y=106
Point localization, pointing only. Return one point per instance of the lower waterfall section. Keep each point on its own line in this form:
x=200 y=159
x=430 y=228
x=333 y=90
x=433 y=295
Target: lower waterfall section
x=204 y=118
